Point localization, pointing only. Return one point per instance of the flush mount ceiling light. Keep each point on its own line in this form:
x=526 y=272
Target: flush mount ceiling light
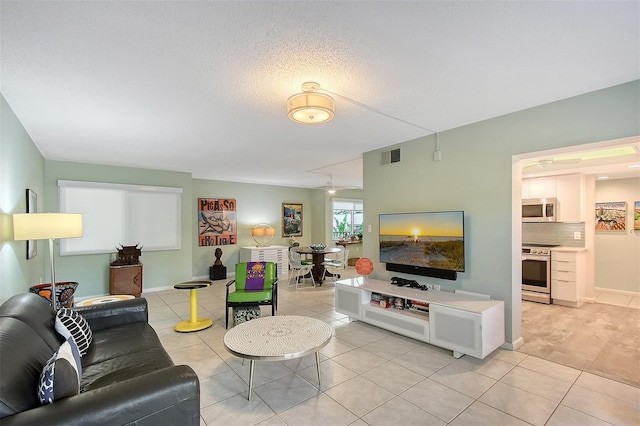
x=311 y=107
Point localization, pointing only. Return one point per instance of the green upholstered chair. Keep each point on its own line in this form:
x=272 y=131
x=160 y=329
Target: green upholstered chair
x=243 y=296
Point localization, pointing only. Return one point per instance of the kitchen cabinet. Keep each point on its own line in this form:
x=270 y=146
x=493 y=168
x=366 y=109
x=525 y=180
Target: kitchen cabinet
x=568 y=277
x=570 y=192
x=544 y=187
x=277 y=254
x=463 y=323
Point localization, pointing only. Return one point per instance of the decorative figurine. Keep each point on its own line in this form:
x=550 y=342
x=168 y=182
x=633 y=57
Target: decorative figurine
x=218 y=254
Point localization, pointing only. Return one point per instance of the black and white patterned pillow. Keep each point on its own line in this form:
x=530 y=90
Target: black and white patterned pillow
x=71 y=324
x=60 y=377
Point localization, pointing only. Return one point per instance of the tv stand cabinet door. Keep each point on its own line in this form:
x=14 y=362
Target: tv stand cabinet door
x=349 y=301
x=455 y=329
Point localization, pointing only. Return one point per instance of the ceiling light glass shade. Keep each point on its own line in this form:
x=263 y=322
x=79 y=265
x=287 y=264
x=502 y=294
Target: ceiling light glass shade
x=311 y=108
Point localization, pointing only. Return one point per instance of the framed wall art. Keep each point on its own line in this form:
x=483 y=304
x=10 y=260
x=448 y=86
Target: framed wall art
x=291 y=220
x=636 y=216
x=611 y=216
x=32 y=207
x=217 y=222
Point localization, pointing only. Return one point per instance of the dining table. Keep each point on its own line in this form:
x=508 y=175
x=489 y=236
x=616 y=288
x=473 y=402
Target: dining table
x=317 y=257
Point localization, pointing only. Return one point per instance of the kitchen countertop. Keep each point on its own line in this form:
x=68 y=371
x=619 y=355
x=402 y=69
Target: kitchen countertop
x=569 y=249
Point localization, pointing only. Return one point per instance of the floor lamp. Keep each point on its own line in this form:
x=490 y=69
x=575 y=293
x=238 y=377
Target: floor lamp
x=47 y=226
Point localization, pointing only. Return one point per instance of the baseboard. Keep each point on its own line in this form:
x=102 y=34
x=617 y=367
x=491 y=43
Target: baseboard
x=618 y=292
x=513 y=346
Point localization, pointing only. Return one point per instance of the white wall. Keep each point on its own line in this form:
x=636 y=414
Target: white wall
x=617 y=254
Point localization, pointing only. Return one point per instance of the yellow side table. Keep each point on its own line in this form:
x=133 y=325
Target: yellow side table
x=194 y=323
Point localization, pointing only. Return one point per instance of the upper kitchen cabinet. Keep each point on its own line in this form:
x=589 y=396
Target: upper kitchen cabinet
x=569 y=190
x=544 y=187
x=571 y=195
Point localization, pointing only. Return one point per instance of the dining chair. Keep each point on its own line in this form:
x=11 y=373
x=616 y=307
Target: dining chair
x=256 y=283
x=336 y=264
x=301 y=269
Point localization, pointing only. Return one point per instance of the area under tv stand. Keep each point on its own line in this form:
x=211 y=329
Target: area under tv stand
x=464 y=324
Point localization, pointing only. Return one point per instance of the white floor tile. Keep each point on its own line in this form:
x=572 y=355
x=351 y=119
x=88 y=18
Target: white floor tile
x=439 y=400
x=359 y=395
x=519 y=403
x=602 y=406
x=479 y=414
x=399 y=411
x=318 y=411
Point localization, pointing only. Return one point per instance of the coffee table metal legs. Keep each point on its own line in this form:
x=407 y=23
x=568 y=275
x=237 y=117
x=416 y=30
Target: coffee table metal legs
x=318 y=367
x=252 y=362
x=250 y=379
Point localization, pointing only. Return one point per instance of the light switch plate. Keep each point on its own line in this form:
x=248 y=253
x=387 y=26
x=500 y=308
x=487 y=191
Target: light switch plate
x=576 y=235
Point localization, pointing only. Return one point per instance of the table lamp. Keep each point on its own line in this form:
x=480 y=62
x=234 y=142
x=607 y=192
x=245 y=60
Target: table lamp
x=262 y=234
x=47 y=226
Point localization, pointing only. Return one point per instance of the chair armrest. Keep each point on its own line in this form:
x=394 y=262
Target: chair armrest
x=108 y=315
x=230 y=282
x=167 y=396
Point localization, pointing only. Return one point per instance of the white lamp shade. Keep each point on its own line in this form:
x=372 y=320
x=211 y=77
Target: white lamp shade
x=311 y=108
x=44 y=226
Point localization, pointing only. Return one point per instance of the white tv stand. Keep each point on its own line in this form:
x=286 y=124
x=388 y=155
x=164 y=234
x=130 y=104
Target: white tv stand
x=465 y=324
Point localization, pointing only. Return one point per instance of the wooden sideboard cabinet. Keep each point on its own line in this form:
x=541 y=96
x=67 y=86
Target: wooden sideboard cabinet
x=126 y=279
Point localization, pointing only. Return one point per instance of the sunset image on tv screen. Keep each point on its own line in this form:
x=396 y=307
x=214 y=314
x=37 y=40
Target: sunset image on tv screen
x=431 y=239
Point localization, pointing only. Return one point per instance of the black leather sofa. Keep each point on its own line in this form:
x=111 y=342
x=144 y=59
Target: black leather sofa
x=127 y=376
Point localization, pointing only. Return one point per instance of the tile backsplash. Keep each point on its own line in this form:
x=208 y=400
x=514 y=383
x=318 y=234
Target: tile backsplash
x=560 y=233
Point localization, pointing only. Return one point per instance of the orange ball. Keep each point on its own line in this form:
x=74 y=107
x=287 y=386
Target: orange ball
x=364 y=266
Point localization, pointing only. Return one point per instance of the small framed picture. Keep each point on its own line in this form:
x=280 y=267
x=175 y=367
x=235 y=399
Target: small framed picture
x=611 y=216
x=32 y=207
x=291 y=220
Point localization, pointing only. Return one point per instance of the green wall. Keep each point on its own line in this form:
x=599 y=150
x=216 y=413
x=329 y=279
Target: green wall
x=160 y=268
x=476 y=175
x=21 y=167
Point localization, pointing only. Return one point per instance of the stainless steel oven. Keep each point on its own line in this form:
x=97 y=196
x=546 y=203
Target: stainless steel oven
x=536 y=274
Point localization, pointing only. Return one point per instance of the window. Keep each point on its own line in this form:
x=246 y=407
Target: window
x=347 y=218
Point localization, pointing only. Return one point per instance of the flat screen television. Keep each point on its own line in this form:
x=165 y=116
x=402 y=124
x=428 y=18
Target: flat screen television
x=423 y=243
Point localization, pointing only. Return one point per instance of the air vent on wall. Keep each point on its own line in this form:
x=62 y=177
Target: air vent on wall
x=392 y=156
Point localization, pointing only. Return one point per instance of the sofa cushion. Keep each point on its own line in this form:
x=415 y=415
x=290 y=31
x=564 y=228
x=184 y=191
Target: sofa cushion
x=70 y=324
x=60 y=377
x=120 y=353
x=23 y=353
x=36 y=312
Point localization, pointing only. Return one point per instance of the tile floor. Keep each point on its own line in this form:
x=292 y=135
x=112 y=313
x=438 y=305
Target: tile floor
x=374 y=377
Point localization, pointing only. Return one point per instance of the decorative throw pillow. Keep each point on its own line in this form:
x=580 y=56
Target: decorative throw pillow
x=60 y=377
x=71 y=324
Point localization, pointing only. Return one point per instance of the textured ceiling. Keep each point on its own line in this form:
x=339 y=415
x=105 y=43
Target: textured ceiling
x=201 y=86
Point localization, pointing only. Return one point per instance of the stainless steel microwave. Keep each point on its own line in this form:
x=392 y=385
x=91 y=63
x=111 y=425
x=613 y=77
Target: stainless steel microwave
x=540 y=210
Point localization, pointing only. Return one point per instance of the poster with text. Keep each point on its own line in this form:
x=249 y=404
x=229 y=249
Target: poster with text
x=216 y=222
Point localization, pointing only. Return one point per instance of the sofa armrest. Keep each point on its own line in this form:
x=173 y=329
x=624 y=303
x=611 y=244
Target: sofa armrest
x=108 y=315
x=167 y=396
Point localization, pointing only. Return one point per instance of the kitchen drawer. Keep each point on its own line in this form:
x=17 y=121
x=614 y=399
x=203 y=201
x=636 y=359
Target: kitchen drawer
x=563 y=275
x=564 y=256
x=561 y=265
x=563 y=290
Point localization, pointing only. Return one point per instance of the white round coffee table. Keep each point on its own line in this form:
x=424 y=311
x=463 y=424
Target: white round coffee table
x=277 y=338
